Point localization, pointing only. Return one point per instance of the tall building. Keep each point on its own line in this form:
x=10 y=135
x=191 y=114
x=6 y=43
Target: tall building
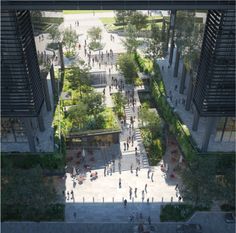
x=23 y=90
x=214 y=91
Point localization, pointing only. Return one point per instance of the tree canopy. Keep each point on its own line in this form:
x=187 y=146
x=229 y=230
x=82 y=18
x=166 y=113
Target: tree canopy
x=154 y=48
x=70 y=39
x=205 y=179
x=130 y=42
x=127 y=67
x=54 y=33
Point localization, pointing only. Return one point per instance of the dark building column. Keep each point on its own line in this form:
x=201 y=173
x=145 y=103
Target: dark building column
x=61 y=56
x=177 y=58
x=28 y=131
x=172 y=27
x=52 y=75
x=208 y=130
x=46 y=93
x=196 y=118
x=190 y=92
x=182 y=81
x=41 y=121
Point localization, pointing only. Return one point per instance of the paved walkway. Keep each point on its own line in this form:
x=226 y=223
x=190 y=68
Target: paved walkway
x=210 y=222
x=187 y=116
x=106 y=188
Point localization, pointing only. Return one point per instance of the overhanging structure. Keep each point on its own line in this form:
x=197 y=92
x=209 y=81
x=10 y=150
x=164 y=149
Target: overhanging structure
x=117 y=5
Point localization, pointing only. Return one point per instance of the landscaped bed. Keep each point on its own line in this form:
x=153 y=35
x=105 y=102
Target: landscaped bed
x=178 y=212
x=27 y=195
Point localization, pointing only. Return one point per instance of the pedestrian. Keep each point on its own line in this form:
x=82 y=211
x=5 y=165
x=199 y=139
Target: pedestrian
x=125 y=203
x=176 y=186
x=147 y=200
x=176 y=86
x=85 y=43
x=109 y=71
x=137 y=171
x=148 y=173
x=152 y=177
x=130 y=192
x=72 y=194
x=127 y=146
x=119 y=165
x=149 y=220
x=131 y=168
x=68 y=195
x=145 y=188
x=104 y=91
x=136 y=151
x=124 y=146
x=110 y=88
x=74 y=215
x=142 y=195
x=180 y=198
x=135 y=192
x=104 y=171
x=119 y=182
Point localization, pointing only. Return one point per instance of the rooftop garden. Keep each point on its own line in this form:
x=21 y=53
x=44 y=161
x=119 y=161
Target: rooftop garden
x=84 y=108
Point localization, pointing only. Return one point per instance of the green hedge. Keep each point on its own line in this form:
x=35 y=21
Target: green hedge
x=158 y=93
x=179 y=212
x=29 y=160
x=54 y=212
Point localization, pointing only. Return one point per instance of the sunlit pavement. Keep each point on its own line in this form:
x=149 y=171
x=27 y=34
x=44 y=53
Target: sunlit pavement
x=101 y=200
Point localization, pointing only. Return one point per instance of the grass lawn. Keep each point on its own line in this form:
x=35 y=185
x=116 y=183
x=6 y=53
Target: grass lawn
x=84 y=11
x=109 y=22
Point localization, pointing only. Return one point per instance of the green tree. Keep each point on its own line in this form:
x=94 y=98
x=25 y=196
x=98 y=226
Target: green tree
x=154 y=48
x=119 y=103
x=199 y=182
x=78 y=115
x=26 y=192
x=70 y=39
x=78 y=78
x=137 y=19
x=95 y=35
x=95 y=103
x=130 y=42
x=54 y=33
x=127 y=67
x=151 y=120
x=184 y=27
x=122 y=16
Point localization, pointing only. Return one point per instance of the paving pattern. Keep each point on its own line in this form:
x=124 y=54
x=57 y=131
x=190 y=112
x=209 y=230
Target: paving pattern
x=101 y=200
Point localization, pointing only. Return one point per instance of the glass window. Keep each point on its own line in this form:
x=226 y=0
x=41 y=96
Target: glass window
x=226 y=136
x=218 y=136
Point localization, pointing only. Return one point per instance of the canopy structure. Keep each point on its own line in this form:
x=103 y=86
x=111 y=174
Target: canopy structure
x=117 y=4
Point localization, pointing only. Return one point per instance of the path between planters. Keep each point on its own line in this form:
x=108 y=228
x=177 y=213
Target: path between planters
x=89 y=196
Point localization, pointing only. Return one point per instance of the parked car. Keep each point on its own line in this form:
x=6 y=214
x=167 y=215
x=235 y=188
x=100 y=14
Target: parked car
x=229 y=218
x=189 y=228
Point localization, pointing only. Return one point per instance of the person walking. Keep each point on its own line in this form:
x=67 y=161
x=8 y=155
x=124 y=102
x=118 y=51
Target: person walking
x=119 y=182
x=137 y=171
x=125 y=203
x=130 y=192
x=124 y=146
x=135 y=192
x=119 y=165
x=148 y=173
x=176 y=186
x=149 y=220
x=105 y=171
x=127 y=146
x=131 y=168
x=142 y=195
x=145 y=188
x=74 y=214
x=152 y=177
